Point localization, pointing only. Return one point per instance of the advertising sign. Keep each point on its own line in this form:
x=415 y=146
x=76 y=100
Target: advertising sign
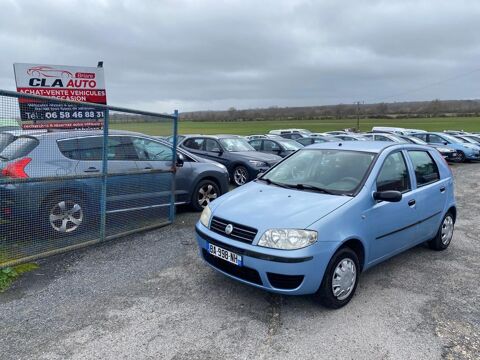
x=77 y=83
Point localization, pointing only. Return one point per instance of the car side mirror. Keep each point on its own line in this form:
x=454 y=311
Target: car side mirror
x=389 y=195
x=445 y=143
x=180 y=160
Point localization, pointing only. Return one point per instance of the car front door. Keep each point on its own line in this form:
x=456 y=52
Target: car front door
x=155 y=160
x=271 y=147
x=430 y=193
x=215 y=152
x=392 y=224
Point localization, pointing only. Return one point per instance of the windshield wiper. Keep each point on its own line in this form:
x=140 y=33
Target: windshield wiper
x=270 y=182
x=313 y=187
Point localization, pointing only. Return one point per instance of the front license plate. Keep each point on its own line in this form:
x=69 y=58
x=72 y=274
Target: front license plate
x=223 y=254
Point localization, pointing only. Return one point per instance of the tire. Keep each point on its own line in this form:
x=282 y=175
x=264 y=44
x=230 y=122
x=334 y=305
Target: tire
x=240 y=175
x=444 y=235
x=204 y=192
x=461 y=157
x=64 y=215
x=344 y=258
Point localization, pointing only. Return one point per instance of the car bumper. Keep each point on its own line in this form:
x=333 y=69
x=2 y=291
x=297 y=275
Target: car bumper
x=292 y=272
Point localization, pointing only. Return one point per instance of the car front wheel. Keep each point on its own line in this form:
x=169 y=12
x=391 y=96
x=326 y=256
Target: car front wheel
x=240 y=175
x=340 y=279
x=205 y=192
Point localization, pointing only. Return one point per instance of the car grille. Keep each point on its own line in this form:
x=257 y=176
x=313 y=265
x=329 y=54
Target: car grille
x=241 y=272
x=287 y=282
x=240 y=232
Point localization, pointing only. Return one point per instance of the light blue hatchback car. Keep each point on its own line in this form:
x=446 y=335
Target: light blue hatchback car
x=318 y=218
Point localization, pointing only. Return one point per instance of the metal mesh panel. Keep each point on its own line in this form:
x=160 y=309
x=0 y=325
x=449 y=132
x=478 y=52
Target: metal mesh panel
x=65 y=188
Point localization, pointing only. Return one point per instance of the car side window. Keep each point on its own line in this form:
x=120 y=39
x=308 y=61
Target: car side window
x=381 y=138
x=91 y=148
x=426 y=169
x=394 y=174
x=269 y=145
x=421 y=137
x=151 y=150
x=212 y=145
x=194 y=143
x=435 y=139
x=257 y=144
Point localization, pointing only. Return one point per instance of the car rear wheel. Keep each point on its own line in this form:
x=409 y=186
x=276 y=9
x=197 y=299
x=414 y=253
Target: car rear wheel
x=64 y=216
x=240 y=175
x=340 y=279
x=444 y=236
x=205 y=192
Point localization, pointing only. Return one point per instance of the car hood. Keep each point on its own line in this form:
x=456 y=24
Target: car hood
x=257 y=155
x=265 y=206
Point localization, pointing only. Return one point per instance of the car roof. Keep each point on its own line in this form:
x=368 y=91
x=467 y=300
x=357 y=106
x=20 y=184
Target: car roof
x=219 y=136
x=366 y=146
x=80 y=133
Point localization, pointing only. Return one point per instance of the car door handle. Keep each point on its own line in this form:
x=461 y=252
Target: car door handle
x=148 y=168
x=411 y=202
x=91 y=169
x=442 y=189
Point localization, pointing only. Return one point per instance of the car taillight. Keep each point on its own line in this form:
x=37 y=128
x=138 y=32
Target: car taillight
x=16 y=169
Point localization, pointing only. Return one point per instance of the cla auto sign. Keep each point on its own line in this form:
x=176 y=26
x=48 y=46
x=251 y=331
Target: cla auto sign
x=85 y=84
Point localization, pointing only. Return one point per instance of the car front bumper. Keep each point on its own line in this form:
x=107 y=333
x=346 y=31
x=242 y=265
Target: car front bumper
x=289 y=272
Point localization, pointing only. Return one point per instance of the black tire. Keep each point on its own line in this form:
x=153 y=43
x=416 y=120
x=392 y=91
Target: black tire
x=461 y=157
x=444 y=235
x=325 y=294
x=211 y=192
x=71 y=220
x=240 y=175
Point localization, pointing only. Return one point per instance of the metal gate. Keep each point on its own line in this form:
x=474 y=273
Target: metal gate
x=61 y=189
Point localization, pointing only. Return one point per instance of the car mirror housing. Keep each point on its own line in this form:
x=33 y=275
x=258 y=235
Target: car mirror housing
x=180 y=160
x=389 y=195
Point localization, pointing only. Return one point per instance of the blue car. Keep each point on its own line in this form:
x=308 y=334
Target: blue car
x=316 y=220
x=465 y=151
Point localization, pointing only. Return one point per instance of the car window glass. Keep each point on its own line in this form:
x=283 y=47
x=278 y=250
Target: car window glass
x=269 y=145
x=91 y=148
x=21 y=147
x=435 y=139
x=381 y=138
x=257 y=144
x=194 y=143
x=426 y=170
x=212 y=145
x=394 y=174
x=5 y=140
x=151 y=150
x=421 y=136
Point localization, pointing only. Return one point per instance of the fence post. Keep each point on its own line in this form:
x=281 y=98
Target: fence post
x=103 y=195
x=174 y=166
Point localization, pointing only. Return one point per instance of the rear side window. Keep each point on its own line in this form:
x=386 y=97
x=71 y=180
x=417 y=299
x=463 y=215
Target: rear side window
x=394 y=174
x=21 y=147
x=91 y=148
x=426 y=170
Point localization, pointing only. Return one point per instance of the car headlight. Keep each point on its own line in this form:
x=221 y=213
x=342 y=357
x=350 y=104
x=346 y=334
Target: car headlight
x=287 y=239
x=206 y=215
x=258 y=163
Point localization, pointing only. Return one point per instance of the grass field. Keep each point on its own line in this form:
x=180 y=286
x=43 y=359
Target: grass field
x=262 y=127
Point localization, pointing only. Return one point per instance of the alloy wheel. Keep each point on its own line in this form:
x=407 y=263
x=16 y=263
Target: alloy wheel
x=206 y=194
x=447 y=230
x=66 y=216
x=240 y=176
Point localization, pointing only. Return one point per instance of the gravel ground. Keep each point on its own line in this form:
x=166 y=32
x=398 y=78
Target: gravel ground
x=149 y=296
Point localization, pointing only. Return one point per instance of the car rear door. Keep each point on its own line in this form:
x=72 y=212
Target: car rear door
x=122 y=168
x=392 y=224
x=430 y=193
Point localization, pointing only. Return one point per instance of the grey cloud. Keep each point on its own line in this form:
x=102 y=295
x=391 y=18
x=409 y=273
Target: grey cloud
x=211 y=55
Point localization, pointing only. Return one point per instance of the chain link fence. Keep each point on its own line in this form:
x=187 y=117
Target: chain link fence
x=67 y=179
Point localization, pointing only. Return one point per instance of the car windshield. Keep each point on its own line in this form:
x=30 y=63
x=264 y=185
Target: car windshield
x=451 y=138
x=290 y=144
x=338 y=172
x=236 y=144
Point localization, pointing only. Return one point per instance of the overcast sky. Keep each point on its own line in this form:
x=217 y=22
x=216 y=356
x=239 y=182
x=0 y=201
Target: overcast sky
x=198 y=55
